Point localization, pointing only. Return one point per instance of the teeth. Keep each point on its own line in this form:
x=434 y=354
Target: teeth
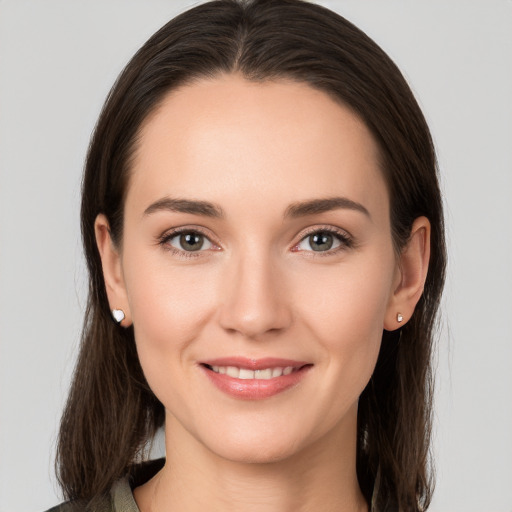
x=244 y=373
x=232 y=371
x=277 y=372
x=263 y=374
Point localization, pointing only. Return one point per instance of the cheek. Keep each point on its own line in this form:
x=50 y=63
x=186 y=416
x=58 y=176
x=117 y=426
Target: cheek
x=170 y=307
x=344 y=309
x=342 y=301
x=169 y=304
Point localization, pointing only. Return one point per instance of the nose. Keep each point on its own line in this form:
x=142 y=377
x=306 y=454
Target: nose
x=255 y=302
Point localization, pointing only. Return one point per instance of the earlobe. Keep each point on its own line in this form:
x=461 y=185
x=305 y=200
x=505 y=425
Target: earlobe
x=413 y=266
x=112 y=270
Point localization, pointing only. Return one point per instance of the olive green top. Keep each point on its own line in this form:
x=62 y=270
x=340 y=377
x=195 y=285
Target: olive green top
x=120 y=498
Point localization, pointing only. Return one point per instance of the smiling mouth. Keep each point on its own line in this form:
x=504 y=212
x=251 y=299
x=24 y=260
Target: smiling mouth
x=248 y=374
x=250 y=379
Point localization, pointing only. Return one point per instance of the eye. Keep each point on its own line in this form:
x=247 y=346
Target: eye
x=188 y=241
x=324 y=240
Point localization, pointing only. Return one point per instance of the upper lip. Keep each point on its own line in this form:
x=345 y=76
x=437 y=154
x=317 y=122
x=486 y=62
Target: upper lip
x=254 y=364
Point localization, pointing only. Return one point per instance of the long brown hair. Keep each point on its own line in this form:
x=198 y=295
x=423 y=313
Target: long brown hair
x=111 y=413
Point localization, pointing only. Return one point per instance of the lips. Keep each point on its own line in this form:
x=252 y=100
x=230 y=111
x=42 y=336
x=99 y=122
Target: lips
x=254 y=379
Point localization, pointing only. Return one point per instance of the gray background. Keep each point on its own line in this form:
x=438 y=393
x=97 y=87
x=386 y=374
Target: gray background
x=58 y=60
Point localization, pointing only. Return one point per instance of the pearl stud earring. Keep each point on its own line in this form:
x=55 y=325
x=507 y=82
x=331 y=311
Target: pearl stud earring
x=399 y=317
x=118 y=315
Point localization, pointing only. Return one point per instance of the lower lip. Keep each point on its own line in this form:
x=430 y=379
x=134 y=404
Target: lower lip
x=255 y=389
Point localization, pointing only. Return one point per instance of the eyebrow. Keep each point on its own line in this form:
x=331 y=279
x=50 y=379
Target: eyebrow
x=295 y=210
x=194 y=207
x=315 y=206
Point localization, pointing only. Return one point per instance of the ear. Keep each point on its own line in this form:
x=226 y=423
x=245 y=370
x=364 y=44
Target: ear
x=411 y=274
x=112 y=269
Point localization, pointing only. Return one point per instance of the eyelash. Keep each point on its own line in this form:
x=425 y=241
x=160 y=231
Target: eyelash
x=346 y=241
x=164 y=242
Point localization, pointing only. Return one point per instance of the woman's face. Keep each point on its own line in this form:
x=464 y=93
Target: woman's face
x=233 y=261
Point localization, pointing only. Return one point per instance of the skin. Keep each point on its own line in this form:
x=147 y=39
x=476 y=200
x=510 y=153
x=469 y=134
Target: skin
x=259 y=289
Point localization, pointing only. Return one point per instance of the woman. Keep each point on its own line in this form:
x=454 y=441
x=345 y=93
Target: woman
x=262 y=220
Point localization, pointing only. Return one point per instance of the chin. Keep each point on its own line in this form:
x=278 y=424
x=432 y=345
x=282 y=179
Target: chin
x=256 y=454
x=257 y=445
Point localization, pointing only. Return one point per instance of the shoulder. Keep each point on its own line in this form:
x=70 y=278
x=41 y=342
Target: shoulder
x=120 y=498
x=102 y=505
x=64 y=507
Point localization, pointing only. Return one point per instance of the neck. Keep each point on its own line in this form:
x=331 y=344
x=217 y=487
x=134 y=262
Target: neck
x=322 y=476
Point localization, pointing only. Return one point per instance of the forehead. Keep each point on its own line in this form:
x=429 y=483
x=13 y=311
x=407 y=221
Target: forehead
x=280 y=141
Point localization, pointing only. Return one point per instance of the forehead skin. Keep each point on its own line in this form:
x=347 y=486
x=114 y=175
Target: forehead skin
x=283 y=139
